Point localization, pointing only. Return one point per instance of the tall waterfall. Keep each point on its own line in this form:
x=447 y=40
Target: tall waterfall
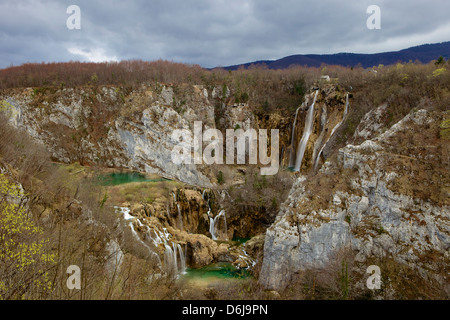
x=306 y=133
x=316 y=163
x=292 y=155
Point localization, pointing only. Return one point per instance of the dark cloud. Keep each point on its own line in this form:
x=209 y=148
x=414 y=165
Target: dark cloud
x=212 y=33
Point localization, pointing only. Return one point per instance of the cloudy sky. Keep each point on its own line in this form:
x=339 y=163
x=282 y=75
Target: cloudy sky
x=212 y=32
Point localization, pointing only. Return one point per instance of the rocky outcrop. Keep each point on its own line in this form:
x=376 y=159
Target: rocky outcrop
x=329 y=110
x=384 y=197
x=113 y=128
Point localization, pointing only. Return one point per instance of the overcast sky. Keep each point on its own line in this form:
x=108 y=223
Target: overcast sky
x=212 y=32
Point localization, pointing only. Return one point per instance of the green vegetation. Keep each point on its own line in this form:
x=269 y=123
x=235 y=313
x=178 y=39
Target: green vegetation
x=220 y=178
x=445 y=129
x=22 y=250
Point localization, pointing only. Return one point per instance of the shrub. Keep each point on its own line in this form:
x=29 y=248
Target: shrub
x=24 y=258
x=220 y=178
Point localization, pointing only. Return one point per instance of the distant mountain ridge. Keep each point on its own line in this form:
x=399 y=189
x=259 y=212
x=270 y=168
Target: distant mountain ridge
x=424 y=53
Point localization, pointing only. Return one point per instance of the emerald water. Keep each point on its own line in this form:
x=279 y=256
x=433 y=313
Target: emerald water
x=117 y=178
x=216 y=271
x=240 y=240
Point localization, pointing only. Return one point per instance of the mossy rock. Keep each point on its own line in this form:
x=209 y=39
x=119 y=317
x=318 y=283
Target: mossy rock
x=445 y=129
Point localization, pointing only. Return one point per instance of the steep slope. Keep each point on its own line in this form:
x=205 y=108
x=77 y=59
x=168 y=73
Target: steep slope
x=386 y=197
x=113 y=127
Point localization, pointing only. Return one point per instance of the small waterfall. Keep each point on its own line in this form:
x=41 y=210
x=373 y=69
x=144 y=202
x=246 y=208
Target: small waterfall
x=182 y=258
x=168 y=212
x=179 y=222
x=174 y=257
x=180 y=218
x=316 y=163
x=213 y=224
x=128 y=217
x=307 y=132
x=174 y=197
x=171 y=256
x=169 y=262
x=250 y=262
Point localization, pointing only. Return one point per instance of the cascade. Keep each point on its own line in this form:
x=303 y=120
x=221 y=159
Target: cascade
x=174 y=197
x=214 y=220
x=171 y=259
x=171 y=254
x=128 y=217
x=180 y=218
x=182 y=258
x=250 y=262
x=316 y=163
x=203 y=194
x=213 y=224
x=168 y=212
x=292 y=155
x=306 y=133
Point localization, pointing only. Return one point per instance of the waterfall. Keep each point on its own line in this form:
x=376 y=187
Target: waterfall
x=182 y=258
x=128 y=217
x=180 y=218
x=316 y=163
x=292 y=157
x=213 y=224
x=171 y=259
x=174 y=197
x=306 y=133
x=172 y=255
x=168 y=212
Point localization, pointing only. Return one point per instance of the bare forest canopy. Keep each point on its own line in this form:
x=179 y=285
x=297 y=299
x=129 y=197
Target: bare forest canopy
x=265 y=90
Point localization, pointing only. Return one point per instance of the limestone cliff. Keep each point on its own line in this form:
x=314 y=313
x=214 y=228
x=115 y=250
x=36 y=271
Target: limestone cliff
x=387 y=196
x=113 y=127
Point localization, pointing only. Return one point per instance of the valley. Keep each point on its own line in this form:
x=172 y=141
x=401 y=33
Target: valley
x=362 y=179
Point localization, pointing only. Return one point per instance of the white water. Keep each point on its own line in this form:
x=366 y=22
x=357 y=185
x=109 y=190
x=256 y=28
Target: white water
x=180 y=218
x=213 y=224
x=306 y=133
x=160 y=237
x=316 y=163
x=171 y=259
x=291 y=157
x=128 y=217
x=246 y=258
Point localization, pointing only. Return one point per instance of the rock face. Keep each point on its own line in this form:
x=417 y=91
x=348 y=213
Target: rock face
x=330 y=108
x=109 y=127
x=384 y=197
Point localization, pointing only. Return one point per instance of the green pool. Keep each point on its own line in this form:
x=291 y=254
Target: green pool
x=117 y=178
x=217 y=271
x=240 y=240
